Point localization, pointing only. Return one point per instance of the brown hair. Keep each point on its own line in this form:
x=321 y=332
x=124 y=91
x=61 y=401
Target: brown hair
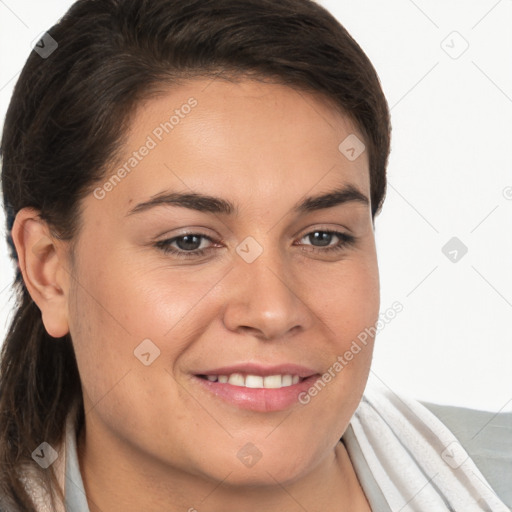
x=66 y=122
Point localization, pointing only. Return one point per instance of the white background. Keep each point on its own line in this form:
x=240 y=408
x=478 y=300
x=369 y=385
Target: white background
x=450 y=175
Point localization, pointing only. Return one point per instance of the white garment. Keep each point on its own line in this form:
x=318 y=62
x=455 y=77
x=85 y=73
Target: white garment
x=416 y=461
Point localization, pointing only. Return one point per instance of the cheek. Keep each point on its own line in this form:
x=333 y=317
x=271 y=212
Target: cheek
x=114 y=312
x=101 y=342
x=359 y=312
x=348 y=307
x=347 y=298
x=150 y=297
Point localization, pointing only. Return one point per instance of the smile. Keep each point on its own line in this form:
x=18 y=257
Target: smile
x=255 y=387
x=255 y=381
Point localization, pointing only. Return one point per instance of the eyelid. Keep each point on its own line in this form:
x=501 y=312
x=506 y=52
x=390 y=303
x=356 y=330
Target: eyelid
x=199 y=231
x=323 y=227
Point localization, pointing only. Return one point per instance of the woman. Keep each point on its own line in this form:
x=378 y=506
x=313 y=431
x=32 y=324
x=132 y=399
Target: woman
x=190 y=189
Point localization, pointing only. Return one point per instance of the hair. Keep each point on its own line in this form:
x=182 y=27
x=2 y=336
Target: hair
x=68 y=119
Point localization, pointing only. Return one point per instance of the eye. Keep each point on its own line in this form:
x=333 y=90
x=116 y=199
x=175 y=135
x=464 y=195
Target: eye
x=194 y=245
x=186 y=246
x=324 y=239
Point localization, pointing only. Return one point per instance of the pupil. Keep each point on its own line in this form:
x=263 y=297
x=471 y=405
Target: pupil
x=185 y=242
x=324 y=238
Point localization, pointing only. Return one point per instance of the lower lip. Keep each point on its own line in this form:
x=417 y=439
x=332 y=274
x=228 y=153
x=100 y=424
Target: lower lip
x=258 y=399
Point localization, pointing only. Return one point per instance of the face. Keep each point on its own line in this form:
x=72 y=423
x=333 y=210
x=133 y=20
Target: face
x=261 y=286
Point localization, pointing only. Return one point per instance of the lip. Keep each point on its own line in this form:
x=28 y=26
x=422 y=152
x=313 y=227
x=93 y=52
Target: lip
x=258 y=399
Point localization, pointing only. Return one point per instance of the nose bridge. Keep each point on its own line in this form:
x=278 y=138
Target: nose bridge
x=266 y=298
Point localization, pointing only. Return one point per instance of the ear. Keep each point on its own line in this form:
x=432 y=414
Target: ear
x=42 y=263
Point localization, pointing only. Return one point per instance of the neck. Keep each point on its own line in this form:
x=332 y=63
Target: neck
x=117 y=479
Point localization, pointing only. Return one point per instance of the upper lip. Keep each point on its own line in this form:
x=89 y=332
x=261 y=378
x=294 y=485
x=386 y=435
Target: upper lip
x=263 y=370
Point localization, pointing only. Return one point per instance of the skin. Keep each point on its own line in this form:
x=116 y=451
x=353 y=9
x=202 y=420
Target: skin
x=152 y=435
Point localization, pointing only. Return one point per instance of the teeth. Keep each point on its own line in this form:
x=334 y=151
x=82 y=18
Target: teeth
x=236 y=379
x=287 y=380
x=253 y=381
x=256 y=381
x=272 y=381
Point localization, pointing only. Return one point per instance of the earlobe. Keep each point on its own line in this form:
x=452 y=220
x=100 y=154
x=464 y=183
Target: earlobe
x=43 y=269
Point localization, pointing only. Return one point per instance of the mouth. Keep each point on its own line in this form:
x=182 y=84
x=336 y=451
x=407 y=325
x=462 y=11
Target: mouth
x=255 y=381
x=260 y=389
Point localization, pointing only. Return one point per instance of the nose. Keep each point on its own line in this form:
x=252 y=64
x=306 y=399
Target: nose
x=266 y=299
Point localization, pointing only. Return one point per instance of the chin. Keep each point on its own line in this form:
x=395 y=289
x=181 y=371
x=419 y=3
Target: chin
x=251 y=467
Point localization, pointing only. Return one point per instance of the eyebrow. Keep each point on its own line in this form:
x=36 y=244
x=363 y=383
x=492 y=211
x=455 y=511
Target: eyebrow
x=211 y=204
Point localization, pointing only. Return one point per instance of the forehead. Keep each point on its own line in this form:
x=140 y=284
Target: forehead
x=257 y=141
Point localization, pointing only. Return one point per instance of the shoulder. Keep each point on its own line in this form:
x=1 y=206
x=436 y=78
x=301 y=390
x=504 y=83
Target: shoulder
x=487 y=438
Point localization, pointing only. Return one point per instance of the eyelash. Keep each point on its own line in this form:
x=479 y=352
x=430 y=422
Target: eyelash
x=165 y=245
